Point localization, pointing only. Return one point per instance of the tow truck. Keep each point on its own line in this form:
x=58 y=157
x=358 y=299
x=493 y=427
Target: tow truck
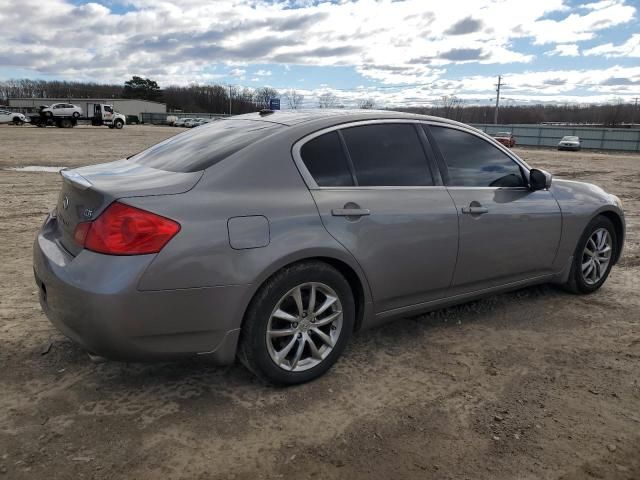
x=103 y=114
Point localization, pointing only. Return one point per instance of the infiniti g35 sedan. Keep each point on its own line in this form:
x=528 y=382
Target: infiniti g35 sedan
x=273 y=236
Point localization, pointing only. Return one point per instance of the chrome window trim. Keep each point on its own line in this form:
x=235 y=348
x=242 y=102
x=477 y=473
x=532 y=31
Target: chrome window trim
x=312 y=185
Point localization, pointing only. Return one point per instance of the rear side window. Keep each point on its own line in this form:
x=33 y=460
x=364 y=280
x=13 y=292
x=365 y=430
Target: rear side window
x=325 y=159
x=474 y=162
x=204 y=146
x=387 y=154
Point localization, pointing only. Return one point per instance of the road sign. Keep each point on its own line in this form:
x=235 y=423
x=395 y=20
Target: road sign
x=274 y=104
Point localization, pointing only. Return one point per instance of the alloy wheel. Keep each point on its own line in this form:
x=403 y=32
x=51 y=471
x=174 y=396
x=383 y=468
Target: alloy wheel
x=304 y=327
x=596 y=256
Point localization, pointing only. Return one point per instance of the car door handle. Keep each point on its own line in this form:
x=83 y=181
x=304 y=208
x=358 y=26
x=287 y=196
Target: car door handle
x=474 y=210
x=350 y=212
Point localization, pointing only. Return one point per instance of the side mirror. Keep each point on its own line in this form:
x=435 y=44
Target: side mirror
x=539 y=179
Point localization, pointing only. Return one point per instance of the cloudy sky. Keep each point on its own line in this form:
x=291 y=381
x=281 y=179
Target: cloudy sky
x=396 y=51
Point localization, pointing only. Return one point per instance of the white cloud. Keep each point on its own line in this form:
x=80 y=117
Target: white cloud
x=565 y=50
x=630 y=48
x=390 y=42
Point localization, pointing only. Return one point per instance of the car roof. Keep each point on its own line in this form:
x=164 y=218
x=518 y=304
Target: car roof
x=320 y=115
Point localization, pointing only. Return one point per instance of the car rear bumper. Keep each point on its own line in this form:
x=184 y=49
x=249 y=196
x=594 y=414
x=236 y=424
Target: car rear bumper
x=93 y=299
x=573 y=148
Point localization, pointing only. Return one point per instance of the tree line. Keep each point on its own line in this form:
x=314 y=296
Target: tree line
x=610 y=114
x=192 y=98
x=215 y=98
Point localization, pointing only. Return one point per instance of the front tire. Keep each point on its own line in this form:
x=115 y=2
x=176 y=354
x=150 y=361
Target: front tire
x=297 y=324
x=593 y=257
x=76 y=115
x=118 y=124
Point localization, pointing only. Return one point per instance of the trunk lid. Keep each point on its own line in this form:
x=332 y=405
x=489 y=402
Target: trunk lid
x=87 y=191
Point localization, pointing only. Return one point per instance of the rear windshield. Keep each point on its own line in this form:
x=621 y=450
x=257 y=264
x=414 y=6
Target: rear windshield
x=204 y=146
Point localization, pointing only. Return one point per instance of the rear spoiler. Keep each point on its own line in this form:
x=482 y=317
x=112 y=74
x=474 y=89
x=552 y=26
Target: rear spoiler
x=75 y=179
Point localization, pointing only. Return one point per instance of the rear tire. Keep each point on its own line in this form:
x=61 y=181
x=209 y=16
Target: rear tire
x=17 y=121
x=589 y=272
x=285 y=341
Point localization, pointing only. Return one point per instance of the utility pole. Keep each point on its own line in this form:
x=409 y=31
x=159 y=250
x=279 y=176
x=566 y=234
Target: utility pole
x=229 y=99
x=633 y=114
x=495 y=115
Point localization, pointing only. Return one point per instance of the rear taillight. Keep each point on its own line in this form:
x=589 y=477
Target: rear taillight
x=125 y=230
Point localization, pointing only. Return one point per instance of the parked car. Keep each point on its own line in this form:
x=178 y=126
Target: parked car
x=181 y=122
x=569 y=143
x=506 y=138
x=194 y=122
x=16 y=118
x=62 y=110
x=275 y=236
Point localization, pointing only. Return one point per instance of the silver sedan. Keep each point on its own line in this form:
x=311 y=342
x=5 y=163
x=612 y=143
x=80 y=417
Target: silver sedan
x=273 y=236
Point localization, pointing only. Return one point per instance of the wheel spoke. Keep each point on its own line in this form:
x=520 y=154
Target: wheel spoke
x=285 y=332
x=297 y=296
x=298 y=354
x=327 y=320
x=315 y=353
x=285 y=351
x=323 y=336
x=282 y=315
x=586 y=265
x=595 y=272
x=326 y=304
x=312 y=299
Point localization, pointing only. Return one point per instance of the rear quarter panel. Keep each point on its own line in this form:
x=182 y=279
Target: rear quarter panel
x=260 y=180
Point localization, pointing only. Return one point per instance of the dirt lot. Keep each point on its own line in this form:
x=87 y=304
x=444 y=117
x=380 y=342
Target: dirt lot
x=534 y=384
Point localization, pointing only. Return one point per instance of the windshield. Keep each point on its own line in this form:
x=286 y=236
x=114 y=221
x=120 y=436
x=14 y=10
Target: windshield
x=202 y=147
x=570 y=139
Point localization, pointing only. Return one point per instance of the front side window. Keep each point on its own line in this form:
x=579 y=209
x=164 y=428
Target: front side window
x=474 y=162
x=387 y=154
x=325 y=159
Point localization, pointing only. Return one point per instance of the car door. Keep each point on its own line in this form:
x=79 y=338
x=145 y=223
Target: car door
x=376 y=195
x=508 y=232
x=5 y=117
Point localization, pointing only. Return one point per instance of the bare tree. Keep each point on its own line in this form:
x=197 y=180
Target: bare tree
x=451 y=107
x=328 y=100
x=366 y=103
x=262 y=96
x=294 y=99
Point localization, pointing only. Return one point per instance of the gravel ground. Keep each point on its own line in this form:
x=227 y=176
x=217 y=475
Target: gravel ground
x=534 y=384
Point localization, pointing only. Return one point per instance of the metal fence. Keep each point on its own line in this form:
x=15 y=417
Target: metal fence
x=161 y=118
x=549 y=135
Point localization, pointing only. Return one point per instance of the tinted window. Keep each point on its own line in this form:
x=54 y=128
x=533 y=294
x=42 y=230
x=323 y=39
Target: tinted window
x=387 y=155
x=474 y=162
x=200 y=148
x=324 y=158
